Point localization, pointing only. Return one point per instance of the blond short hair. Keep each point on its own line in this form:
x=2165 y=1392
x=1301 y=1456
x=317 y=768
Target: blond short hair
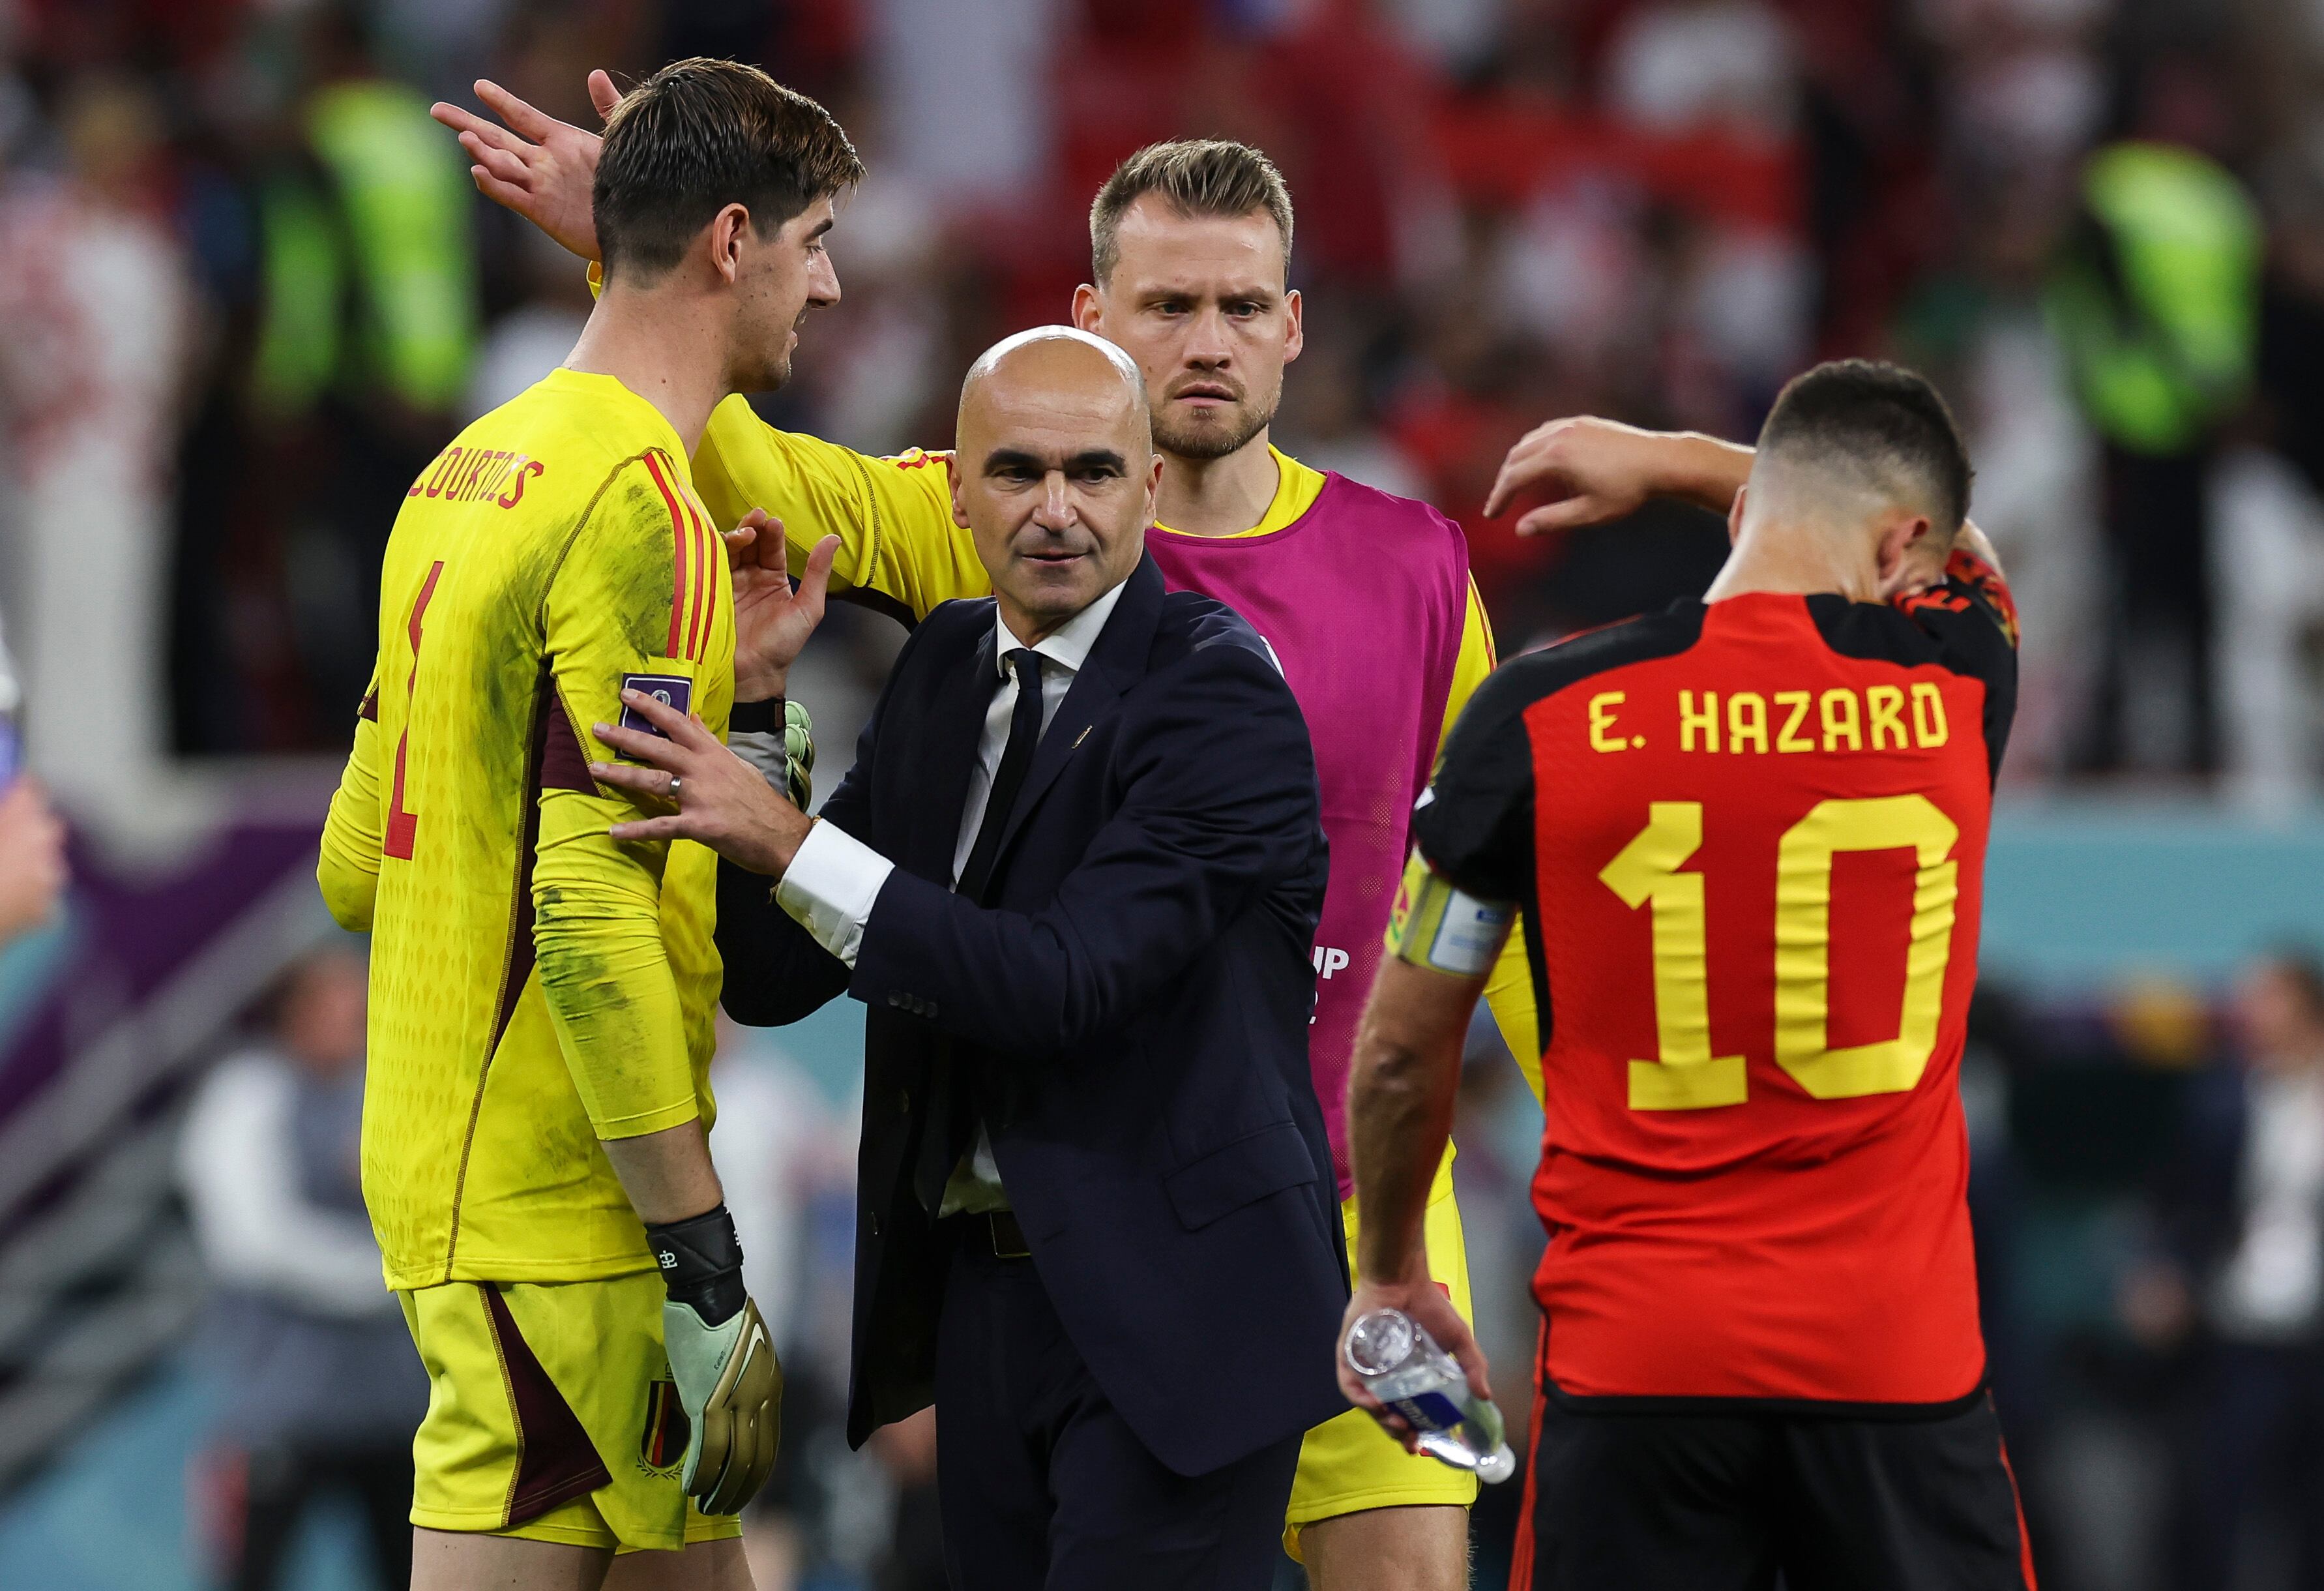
x=1194 y=177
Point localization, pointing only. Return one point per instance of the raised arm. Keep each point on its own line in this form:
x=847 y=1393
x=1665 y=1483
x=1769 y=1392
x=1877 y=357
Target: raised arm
x=1584 y=470
x=1978 y=546
x=536 y=165
x=900 y=550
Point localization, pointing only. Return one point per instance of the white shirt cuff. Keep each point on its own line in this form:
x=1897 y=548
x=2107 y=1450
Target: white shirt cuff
x=830 y=886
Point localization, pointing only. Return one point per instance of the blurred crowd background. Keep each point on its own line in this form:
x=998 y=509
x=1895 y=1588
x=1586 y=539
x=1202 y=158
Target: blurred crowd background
x=247 y=289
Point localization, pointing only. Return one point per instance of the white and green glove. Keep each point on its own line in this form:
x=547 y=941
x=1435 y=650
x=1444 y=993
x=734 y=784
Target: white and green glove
x=777 y=737
x=729 y=1380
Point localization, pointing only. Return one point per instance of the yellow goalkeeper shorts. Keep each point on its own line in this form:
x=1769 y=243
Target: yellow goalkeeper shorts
x=1349 y=1464
x=551 y=1415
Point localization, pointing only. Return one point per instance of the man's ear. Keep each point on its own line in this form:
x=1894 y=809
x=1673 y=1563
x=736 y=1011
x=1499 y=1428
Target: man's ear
x=1297 y=338
x=1734 y=514
x=727 y=230
x=1089 y=309
x=952 y=478
x=1898 y=539
x=1911 y=558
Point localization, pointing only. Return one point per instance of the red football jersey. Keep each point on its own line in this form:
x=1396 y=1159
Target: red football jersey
x=1749 y=839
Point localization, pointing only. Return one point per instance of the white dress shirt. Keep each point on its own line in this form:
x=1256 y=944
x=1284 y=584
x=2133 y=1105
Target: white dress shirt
x=835 y=879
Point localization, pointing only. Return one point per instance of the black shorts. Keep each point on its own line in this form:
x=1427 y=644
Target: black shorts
x=1726 y=1501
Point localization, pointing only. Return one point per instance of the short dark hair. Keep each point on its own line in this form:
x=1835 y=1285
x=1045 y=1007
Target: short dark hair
x=1194 y=177
x=698 y=136
x=1885 y=420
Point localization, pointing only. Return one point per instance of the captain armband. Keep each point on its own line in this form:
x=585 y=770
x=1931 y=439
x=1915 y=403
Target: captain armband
x=1442 y=929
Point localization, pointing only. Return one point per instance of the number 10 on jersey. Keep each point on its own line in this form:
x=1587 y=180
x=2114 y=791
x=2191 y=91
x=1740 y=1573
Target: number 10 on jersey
x=1686 y=1074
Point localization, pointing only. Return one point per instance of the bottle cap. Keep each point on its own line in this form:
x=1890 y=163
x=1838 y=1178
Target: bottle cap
x=1379 y=1342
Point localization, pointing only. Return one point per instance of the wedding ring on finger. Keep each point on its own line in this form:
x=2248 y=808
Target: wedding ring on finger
x=672 y=791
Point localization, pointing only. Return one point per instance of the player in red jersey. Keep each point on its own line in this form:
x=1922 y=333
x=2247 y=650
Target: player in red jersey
x=1747 y=836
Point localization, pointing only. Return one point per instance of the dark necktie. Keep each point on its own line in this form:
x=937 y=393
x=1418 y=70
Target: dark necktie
x=1024 y=734
x=951 y=1121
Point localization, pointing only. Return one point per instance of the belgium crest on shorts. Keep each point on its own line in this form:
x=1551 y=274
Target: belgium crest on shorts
x=663 y=1443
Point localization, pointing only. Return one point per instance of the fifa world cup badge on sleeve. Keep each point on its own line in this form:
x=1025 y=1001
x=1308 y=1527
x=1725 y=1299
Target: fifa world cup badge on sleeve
x=1438 y=927
x=675 y=691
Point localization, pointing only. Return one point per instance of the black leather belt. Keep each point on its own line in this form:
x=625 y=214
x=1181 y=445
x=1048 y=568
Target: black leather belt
x=994 y=1233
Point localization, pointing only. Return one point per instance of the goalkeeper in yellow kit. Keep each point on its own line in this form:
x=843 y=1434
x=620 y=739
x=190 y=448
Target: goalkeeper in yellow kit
x=535 y=1155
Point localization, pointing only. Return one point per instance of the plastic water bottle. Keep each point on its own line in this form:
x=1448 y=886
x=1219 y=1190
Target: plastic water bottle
x=1406 y=1370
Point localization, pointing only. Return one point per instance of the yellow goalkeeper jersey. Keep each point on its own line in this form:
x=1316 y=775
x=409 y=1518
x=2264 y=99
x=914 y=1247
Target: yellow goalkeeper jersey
x=901 y=552
x=535 y=986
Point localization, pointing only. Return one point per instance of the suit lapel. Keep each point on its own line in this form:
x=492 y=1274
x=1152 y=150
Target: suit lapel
x=1116 y=661
x=954 y=725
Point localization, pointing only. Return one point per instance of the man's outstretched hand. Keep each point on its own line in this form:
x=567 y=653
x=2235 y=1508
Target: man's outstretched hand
x=773 y=620
x=536 y=165
x=1584 y=471
x=718 y=799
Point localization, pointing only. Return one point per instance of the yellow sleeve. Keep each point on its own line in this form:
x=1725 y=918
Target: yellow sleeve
x=348 y=868
x=1509 y=994
x=1476 y=661
x=597 y=905
x=1508 y=991
x=892 y=516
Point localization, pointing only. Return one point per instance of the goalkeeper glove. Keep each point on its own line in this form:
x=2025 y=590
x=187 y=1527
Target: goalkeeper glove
x=777 y=737
x=728 y=1378
x=799 y=753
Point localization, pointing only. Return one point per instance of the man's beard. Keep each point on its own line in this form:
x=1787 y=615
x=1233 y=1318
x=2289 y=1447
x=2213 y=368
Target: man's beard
x=1222 y=436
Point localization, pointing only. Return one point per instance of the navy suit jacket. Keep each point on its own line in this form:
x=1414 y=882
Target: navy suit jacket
x=1132 y=1011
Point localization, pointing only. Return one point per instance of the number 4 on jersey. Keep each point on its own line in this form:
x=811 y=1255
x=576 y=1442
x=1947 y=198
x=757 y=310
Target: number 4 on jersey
x=1686 y=1076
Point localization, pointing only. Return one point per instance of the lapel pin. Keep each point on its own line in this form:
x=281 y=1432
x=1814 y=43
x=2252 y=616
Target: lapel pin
x=1083 y=735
